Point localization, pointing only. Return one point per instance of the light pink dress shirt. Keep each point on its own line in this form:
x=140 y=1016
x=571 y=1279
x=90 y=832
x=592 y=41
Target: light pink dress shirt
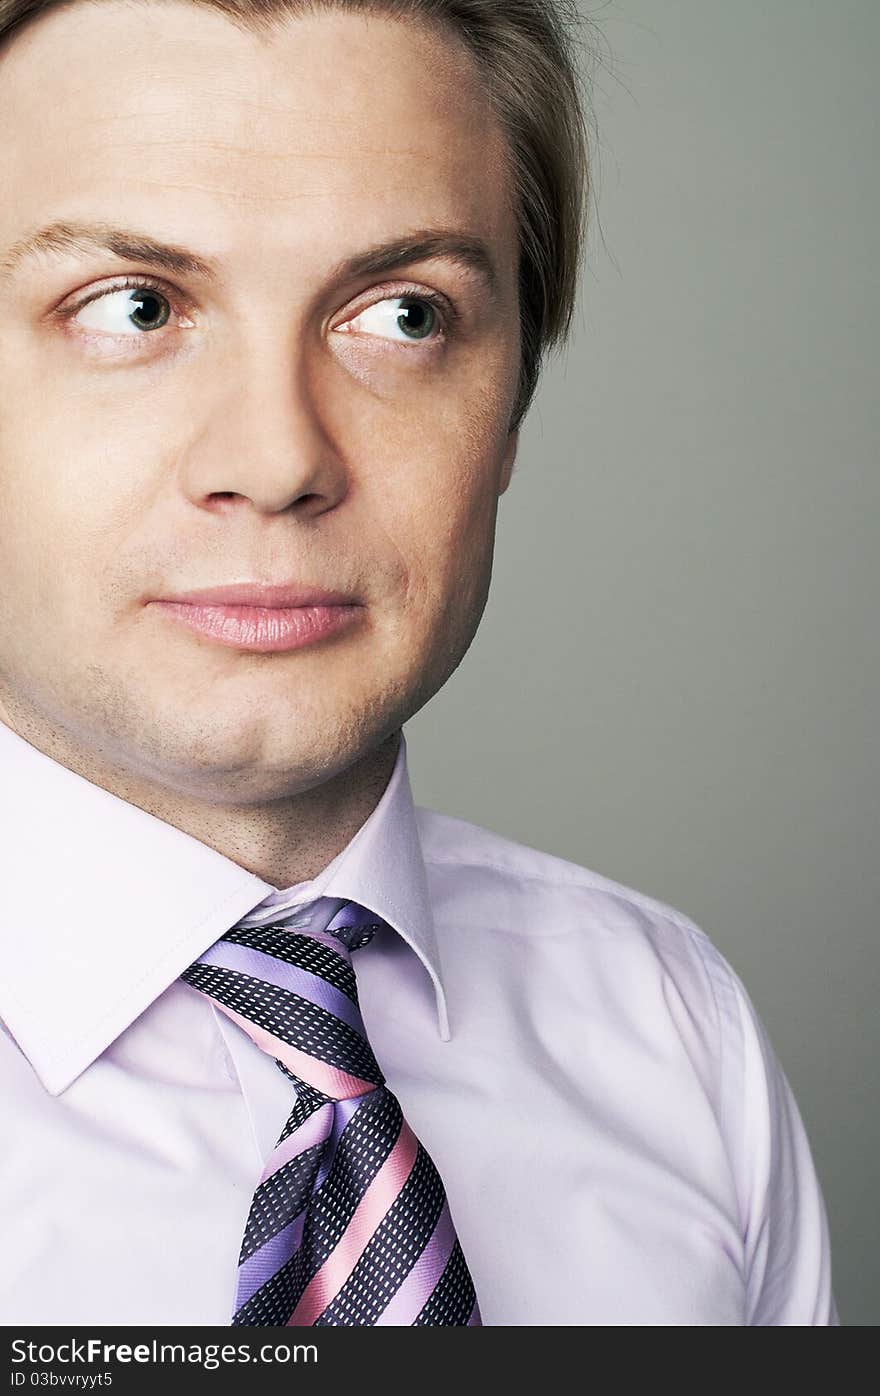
x=618 y=1141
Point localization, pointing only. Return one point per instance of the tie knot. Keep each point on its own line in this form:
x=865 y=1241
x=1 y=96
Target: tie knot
x=352 y=924
x=290 y=984
x=347 y=922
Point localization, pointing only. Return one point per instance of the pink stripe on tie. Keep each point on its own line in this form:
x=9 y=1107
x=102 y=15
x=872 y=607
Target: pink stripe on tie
x=323 y=1287
x=422 y=1279
x=329 y=1079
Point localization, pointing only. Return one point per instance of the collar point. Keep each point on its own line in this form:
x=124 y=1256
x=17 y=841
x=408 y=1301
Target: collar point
x=442 y=1015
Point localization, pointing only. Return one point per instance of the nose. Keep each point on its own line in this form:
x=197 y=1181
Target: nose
x=265 y=439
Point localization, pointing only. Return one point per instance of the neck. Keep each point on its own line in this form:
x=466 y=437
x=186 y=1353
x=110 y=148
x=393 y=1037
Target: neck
x=294 y=838
x=283 y=841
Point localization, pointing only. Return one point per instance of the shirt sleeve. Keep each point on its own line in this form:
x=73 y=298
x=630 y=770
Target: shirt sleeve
x=785 y=1226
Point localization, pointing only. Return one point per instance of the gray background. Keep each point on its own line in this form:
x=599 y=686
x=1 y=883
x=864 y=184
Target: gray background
x=676 y=679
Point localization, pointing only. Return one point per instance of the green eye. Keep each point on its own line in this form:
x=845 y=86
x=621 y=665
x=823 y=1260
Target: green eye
x=417 y=318
x=400 y=318
x=122 y=309
x=151 y=310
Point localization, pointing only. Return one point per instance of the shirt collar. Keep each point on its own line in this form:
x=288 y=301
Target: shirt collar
x=103 y=905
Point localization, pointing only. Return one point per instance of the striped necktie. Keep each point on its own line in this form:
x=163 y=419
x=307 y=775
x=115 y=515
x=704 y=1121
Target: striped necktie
x=349 y=1224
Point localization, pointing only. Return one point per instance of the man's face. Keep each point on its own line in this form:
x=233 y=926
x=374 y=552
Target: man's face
x=280 y=421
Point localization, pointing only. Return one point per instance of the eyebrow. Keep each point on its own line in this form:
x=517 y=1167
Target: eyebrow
x=82 y=238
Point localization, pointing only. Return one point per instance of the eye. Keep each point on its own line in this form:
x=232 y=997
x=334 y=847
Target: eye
x=400 y=318
x=138 y=306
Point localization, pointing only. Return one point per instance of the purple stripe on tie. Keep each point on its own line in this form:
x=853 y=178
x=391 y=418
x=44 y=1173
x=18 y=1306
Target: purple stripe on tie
x=311 y=1131
x=264 y=1263
x=343 y=1113
x=351 y=914
x=422 y=1279
x=278 y=972
x=332 y=942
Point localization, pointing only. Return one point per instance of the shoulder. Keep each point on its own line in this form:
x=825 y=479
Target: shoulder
x=634 y=963
x=484 y=879
x=494 y=861
x=647 y=971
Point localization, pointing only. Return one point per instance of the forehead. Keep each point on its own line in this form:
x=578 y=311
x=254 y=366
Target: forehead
x=167 y=114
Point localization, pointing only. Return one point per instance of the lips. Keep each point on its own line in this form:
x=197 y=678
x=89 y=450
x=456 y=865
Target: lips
x=263 y=629
x=284 y=596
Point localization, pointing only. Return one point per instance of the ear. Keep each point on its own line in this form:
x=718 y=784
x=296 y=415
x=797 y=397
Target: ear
x=508 y=460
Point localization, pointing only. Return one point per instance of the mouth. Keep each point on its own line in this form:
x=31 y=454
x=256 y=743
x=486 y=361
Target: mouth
x=284 y=595
x=262 y=619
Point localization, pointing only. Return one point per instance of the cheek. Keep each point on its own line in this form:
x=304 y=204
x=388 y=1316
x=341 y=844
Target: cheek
x=430 y=474
x=436 y=518
x=82 y=442
x=70 y=495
